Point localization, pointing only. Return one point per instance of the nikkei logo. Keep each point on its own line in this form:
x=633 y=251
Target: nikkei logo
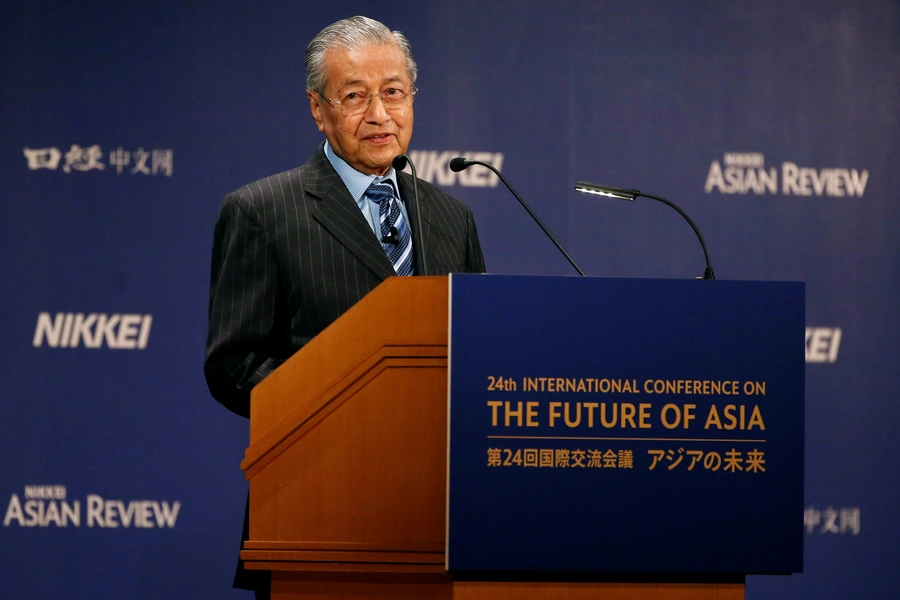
x=68 y=330
x=822 y=344
x=434 y=167
x=159 y=161
x=745 y=172
x=45 y=505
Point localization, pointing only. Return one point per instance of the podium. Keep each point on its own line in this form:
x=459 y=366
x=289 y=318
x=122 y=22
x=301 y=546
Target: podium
x=348 y=469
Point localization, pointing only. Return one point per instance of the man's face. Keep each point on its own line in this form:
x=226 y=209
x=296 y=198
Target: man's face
x=368 y=141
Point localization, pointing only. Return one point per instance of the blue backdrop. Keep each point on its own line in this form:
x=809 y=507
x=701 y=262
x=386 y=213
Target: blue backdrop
x=772 y=123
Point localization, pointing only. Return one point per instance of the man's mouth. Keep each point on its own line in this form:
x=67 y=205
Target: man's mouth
x=379 y=138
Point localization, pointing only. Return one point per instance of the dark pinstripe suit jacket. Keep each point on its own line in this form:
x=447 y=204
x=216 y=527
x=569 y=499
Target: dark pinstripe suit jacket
x=292 y=252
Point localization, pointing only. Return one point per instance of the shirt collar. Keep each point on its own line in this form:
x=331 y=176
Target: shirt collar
x=357 y=183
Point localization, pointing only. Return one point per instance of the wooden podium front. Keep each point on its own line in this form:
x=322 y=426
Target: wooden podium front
x=347 y=466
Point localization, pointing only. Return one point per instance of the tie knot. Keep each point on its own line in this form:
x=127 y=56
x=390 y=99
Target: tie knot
x=380 y=190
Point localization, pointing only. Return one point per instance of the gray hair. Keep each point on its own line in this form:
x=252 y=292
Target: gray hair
x=351 y=34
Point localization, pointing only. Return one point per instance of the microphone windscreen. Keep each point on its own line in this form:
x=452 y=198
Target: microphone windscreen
x=458 y=164
x=399 y=162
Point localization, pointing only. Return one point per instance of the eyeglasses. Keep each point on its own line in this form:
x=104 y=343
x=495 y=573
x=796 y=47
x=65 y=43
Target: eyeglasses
x=355 y=103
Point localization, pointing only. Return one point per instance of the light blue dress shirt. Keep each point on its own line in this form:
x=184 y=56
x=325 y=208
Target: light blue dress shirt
x=357 y=183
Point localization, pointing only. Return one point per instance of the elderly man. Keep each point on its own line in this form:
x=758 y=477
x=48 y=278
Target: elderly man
x=293 y=251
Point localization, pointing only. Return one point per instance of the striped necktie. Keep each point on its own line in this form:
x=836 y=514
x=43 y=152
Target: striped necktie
x=395 y=235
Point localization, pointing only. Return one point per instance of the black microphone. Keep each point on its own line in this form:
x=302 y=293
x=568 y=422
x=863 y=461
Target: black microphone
x=391 y=238
x=399 y=163
x=459 y=163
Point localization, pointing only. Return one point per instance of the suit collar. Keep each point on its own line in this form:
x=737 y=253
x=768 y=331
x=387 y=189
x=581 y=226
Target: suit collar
x=337 y=211
x=357 y=183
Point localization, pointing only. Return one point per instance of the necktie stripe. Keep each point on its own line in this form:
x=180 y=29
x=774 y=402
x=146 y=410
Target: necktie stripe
x=390 y=216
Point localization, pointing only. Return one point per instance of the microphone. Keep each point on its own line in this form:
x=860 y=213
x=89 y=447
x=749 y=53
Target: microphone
x=399 y=163
x=460 y=163
x=630 y=195
x=391 y=238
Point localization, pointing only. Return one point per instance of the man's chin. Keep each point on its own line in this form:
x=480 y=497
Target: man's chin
x=380 y=162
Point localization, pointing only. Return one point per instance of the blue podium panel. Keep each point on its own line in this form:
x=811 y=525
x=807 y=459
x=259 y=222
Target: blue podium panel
x=625 y=425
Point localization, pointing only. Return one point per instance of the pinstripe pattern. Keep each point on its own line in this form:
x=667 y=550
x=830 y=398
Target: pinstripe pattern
x=292 y=252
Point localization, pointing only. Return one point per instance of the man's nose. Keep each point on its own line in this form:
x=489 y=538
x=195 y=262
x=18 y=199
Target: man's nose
x=375 y=112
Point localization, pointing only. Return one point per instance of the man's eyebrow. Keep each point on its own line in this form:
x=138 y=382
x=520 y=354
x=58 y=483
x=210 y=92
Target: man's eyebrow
x=383 y=81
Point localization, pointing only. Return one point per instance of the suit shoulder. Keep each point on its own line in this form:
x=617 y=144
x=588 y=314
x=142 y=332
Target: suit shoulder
x=287 y=184
x=267 y=189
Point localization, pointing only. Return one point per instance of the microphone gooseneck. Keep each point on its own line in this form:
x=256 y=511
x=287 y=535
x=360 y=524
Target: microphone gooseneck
x=399 y=163
x=708 y=272
x=460 y=163
x=630 y=195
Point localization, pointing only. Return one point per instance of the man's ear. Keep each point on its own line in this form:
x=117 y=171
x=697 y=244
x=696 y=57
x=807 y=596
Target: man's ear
x=315 y=107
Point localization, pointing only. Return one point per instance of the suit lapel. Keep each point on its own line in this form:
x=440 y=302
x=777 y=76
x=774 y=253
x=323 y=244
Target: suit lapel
x=337 y=212
x=412 y=209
